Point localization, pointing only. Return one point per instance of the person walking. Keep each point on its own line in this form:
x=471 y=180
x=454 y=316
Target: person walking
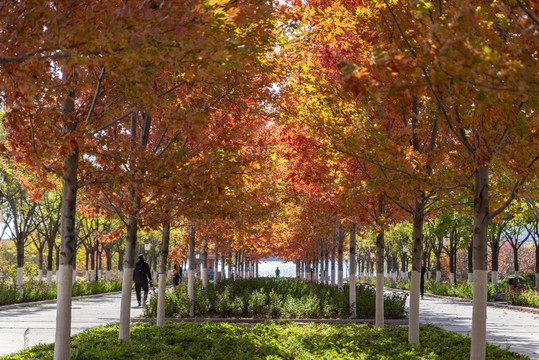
x=141 y=276
x=277 y=272
x=176 y=275
x=422 y=281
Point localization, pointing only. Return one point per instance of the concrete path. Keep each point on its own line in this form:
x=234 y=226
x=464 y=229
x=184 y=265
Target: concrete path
x=505 y=326
x=40 y=319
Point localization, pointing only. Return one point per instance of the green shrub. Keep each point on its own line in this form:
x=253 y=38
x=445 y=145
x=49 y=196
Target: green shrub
x=275 y=298
x=268 y=340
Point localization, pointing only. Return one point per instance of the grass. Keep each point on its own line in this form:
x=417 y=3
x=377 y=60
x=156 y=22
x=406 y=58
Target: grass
x=268 y=340
x=275 y=298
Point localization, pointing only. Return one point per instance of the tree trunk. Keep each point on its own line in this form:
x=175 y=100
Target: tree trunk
x=230 y=264
x=223 y=275
x=380 y=247
x=515 y=261
x=93 y=269
x=379 y=316
x=352 y=278
x=204 y=263
x=470 y=263
x=191 y=272
x=326 y=253
x=108 y=254
x=216 y=265
x=481 y=220
x=341 y=258
x=129 y=265
x=537 y=265
x=333 y=253
x=64 y=277
x=417 y=249
x=495 y=261
x=40 y=263
x=162 y=285
x=20 y=261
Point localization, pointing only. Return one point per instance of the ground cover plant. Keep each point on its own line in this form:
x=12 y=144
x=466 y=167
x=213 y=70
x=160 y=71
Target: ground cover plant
x=274 y=298
x=268 y=340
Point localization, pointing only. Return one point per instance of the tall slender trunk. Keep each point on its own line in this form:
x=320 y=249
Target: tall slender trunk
x=341 y=258
x=481 y=221
x=352 y=278
x=333 y=252
x=417 y=248
x=20 y=260
x=161 y=292
x=216 y=265
x=495 y=261
x=129 y=265
x=380 y=248
x=204 y=263
x=68 y=235
x=223 y=275
x=537 y=265
x=132 y=227
x=515 y=261
x=191 y=272
x=470 y=263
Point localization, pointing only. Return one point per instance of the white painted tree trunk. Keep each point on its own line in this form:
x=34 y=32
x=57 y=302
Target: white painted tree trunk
x=161 y=296
x=379 y=317
x=352 y=277
x=191 y=291
x=517 y=274
x=480 y=232
x=162 y=281
x=74 y=279
x=413 y=318
x=495 y=278
x=438 y=276
x=99 y=274
x=536 y=279
x=470 y=278
x=120 y=274
x=40 y=275
x=49 y=277
x=204 y=277
x=109 y=275
x=125 y=305
x=87 y=275
x=19 y=277
x=452 y=277
x=63 y=313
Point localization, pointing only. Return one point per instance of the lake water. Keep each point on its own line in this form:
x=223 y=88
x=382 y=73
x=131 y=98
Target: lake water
x=266 y=268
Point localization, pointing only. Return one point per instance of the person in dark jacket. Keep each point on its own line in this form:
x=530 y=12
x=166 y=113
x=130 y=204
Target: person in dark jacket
x=141 y=276
x=422 y=281
x=176 y=275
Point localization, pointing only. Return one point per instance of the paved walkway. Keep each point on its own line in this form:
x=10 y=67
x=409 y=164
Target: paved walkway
x=506 y=326
x=40 y=320
x=514 y=327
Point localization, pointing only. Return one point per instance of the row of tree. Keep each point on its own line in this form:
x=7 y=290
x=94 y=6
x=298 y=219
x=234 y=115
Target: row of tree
x=271 y=128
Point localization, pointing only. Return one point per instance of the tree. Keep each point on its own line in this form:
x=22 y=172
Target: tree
x=19 y=217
